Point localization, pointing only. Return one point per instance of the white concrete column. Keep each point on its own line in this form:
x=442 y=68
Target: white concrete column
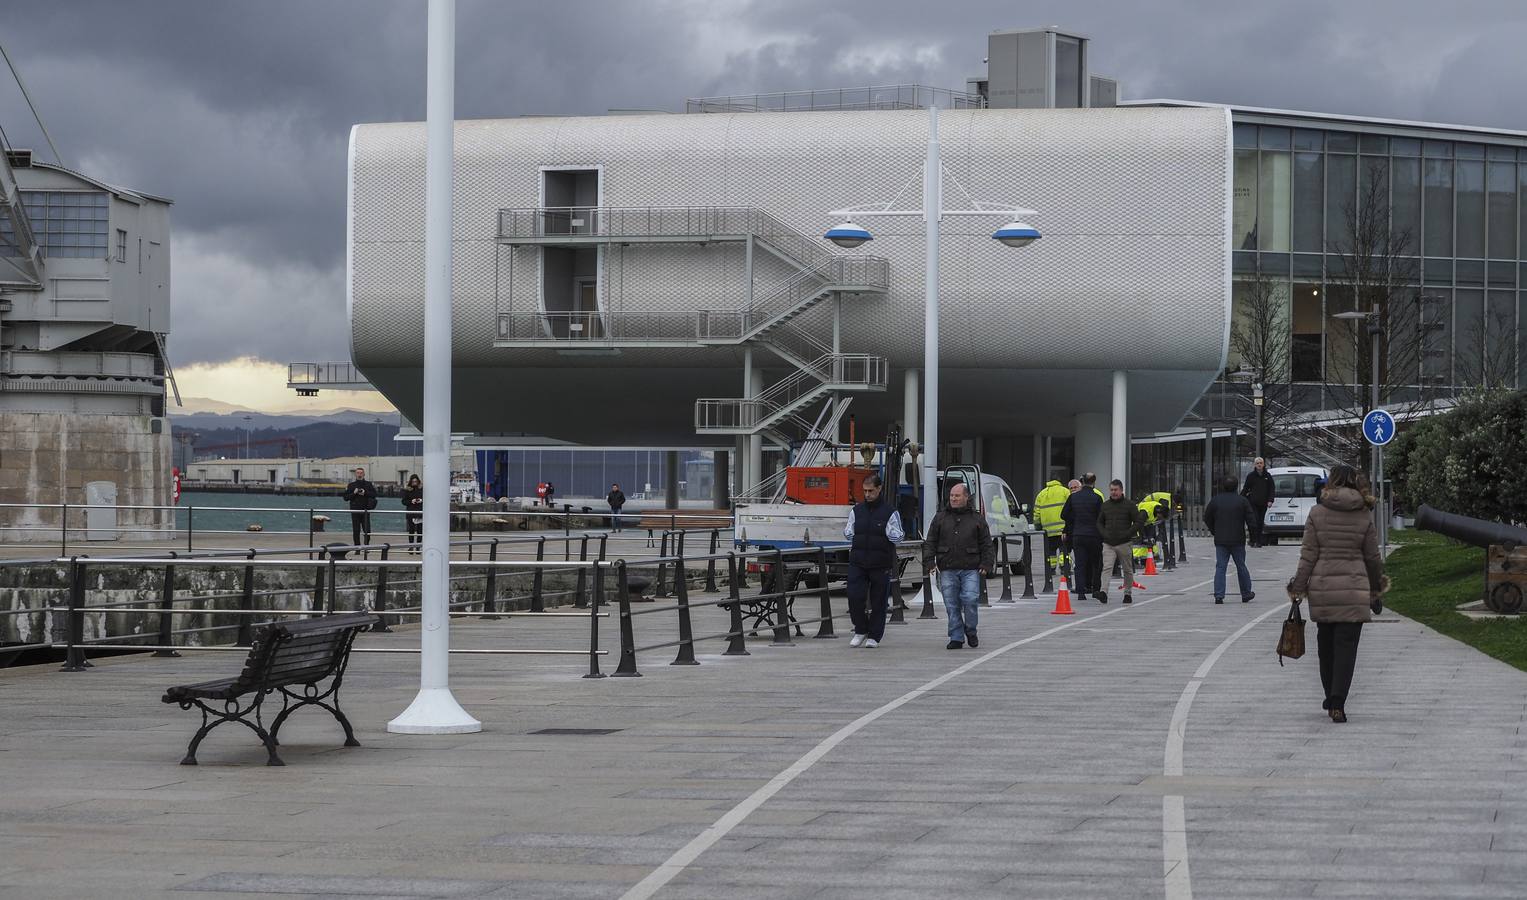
x=1093 y=434
x=755 y=441
x=1119 y=464
x=910 y=397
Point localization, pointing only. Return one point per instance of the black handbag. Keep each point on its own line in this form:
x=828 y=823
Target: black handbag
x=1291 y=641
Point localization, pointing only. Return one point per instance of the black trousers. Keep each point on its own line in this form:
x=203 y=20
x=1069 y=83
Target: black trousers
x=360 y=526
x=415 y=523
x=868 y=587
x=1257 y=524
x=1089 y=564
x=1337 y=644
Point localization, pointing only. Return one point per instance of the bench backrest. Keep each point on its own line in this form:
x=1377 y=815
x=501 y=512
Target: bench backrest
x=301 y=652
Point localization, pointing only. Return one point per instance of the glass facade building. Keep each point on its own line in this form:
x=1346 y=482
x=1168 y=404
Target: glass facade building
x=1451 y=207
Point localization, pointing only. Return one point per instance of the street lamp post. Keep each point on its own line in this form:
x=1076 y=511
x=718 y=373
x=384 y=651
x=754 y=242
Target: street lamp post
x=1013 y=234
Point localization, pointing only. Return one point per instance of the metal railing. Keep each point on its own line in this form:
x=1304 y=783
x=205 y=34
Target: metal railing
x=323 y=373
x=880 y=96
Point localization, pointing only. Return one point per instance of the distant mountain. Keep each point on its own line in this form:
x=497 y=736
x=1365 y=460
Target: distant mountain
x=226 y=437
x=210 y=415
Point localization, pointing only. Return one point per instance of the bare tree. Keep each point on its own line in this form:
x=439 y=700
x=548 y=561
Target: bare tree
x=1378 y=275
x=1261 y=335
x=1491 y=364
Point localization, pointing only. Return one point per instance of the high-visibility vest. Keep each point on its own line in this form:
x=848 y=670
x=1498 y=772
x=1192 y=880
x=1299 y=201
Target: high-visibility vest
x=1047 y=506
x=1165 y=499
x=1149 y=506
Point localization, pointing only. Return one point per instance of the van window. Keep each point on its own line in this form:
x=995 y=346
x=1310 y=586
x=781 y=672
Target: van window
x=996 y=504
x=1295 y=485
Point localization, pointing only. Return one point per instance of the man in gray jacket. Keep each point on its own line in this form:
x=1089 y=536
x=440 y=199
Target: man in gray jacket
x=958 y=552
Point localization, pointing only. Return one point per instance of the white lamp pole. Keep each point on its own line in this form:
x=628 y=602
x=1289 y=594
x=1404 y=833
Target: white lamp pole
x=435 y=710
x=933 y=202
x=1013 y=234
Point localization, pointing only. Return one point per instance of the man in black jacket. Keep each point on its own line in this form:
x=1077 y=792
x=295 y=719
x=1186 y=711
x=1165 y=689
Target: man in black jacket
x=1119 y=522
x=1228 y=516
x=874 y=527
x=1259 y=492
x=1081 y=517
x=958 y=552
x=616 y=498
x=361 y=495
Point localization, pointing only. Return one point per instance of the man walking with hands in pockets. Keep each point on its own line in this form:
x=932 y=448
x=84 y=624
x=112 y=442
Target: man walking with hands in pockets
x=958 y=552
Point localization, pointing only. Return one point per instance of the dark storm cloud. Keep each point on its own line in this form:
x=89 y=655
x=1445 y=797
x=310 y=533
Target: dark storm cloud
x=240 y=111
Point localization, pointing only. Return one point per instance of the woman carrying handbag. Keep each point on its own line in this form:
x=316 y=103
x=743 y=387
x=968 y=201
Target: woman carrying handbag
x=1342 y=576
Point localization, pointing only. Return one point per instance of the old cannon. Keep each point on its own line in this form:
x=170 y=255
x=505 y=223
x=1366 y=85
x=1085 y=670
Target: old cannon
x=1505 y=554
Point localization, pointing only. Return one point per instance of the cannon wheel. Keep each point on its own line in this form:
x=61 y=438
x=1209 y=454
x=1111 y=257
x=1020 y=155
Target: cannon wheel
x=1505 y=598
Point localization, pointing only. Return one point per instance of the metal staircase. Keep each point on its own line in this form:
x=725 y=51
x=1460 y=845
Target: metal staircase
x=769 y=319
x=1316 y=442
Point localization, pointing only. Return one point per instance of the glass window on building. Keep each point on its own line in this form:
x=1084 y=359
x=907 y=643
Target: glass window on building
x=1243 y=226
x=1500 y=187
x=1309 y=204
x=1436 y=328
x=1521 y=340
x=1501 y=339
x=1470 y=178
x=1259 y=331
x=1307 y=343
x=1373 y=193
x=1273 y=198
x=66 y=224
x=1307 y=139
x=1468 y=337
x=1405 y=206
x=1341 y=196
x=1341 y=335
x=1521 y=229
x=1437 y=194
x=121 y=245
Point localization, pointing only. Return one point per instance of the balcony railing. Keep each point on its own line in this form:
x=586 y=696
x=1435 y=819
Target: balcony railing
x=879 y=96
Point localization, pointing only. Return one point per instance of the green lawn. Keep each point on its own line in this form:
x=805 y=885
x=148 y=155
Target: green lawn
x=1431 y=576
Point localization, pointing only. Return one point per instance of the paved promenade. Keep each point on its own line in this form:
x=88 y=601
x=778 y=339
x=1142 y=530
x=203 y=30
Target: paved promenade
x=1155 y=750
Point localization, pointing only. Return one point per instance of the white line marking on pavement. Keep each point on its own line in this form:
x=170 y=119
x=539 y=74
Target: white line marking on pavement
x=691 y=851
x=1174 y=827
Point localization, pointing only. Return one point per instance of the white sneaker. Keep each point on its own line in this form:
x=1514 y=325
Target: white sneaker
x=856 y=640
x=871 y=642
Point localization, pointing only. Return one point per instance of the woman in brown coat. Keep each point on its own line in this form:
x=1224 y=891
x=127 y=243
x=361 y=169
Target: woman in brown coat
x=1341 y=573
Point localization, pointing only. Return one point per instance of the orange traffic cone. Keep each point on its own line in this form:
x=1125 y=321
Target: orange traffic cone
x=1063 y=600
x=1138 y=586
x=1150 y=564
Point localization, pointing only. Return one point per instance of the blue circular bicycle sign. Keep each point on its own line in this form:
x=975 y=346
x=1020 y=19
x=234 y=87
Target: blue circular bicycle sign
x=1378 y=427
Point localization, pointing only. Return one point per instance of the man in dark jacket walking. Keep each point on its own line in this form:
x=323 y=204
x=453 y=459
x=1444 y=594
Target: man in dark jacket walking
x=1259 y=492
x=617 y=499
x=1119 y=522
x=958 y=551
x=1081 y=517
x=874 y=527
x=1228 y=516
x=361 y=495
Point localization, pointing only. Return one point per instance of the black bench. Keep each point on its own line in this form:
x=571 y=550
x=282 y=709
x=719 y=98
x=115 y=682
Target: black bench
x=284 y=655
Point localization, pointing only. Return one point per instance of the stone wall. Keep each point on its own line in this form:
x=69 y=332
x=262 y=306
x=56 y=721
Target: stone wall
x=48 y=458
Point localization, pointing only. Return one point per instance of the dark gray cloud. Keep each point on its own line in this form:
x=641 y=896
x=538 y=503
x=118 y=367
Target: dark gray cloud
x=240 y=111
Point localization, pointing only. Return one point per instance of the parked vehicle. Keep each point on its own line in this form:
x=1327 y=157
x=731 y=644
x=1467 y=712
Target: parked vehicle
x=1295 y=490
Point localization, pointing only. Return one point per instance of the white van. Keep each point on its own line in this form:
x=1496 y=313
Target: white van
x=1295 y=490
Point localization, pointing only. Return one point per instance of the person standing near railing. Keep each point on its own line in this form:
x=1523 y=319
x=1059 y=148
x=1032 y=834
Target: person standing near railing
x=874 y=527
x=617 y=499
x=413 y=502
x=361 y=495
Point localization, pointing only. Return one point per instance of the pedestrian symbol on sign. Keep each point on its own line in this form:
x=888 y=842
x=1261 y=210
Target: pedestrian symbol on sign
x=1378 y=427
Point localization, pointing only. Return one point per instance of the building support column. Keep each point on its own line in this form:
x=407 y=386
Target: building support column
x=1093 y=437
x=755 y=441
x=1041 y=462
x=1208 y=464
x=910 y=395
x=1119 y=463
x=721 y=492
x=670 y=479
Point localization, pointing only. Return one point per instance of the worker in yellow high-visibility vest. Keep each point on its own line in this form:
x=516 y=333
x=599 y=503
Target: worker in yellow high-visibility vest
x=1047 y=505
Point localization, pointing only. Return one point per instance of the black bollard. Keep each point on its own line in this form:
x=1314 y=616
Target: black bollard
x=594 y=625
x=735 y=644
x=898 y=602
x=167 y=621
x=627 y=667
x=710 y=564
x=1028 y=567
x=537 y=579
x=824 y=629
x=1182 y=543
x=686 y=655
x=74 y=628
x=781 y=602
x=246 y=605
x=1007 y=574
x=927 y=612
x=661 y=589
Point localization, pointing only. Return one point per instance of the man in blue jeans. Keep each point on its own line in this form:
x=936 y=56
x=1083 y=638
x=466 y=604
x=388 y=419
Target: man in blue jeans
x=958 y=552
x=1229 y=516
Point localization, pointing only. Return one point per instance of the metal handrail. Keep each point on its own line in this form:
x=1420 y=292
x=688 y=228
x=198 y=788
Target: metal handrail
x=868 y=97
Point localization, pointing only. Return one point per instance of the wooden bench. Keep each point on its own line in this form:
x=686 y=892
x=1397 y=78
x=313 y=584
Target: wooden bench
x=284 y=655
x=691 y=519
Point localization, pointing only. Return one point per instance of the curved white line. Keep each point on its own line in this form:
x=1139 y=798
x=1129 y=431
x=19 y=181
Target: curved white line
x=687 y=854
x=1174 y=829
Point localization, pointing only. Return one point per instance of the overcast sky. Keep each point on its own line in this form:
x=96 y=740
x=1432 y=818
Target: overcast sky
x=240 y=111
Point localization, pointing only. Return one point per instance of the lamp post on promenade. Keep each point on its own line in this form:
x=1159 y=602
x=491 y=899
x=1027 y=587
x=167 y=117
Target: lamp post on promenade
x=1013 y=234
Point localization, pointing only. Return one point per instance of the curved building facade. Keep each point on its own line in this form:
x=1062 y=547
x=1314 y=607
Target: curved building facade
x=615 y=273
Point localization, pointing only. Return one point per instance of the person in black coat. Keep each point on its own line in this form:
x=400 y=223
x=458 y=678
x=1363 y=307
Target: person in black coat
x=1259 y=492
x=413 y=502
x=361 y=495
x=1081 y=517
x=617 y=499
x=1229 y=516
